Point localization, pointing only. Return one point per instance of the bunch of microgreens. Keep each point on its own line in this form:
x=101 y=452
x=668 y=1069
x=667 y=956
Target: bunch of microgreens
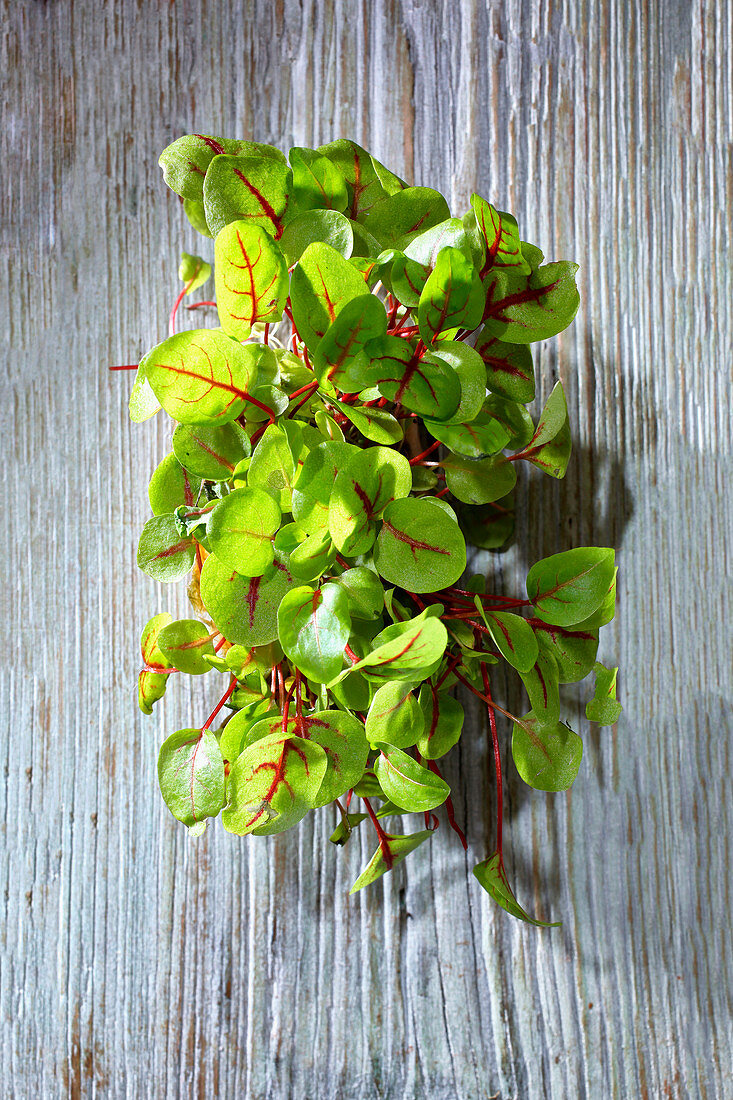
x=354 y=420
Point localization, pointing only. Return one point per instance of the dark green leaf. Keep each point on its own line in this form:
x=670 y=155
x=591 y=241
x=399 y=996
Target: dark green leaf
x=521 y=309
x=358 y=169
x=547 y=757
x=443 y=722
x=566 y=588
x=509 y=369
x=573 y=651
x=339 y=356
x=406 y=783
x=419 y=547
x=401 y=217
x=317 y=182
x=492 y=877
x=479 y=480
x=394 y=715
x=391 y=851
x=603 y=708
x=452 y=298
x=501 y=237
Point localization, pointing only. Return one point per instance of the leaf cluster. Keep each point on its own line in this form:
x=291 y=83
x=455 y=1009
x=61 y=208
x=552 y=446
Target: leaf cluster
x=348 y=426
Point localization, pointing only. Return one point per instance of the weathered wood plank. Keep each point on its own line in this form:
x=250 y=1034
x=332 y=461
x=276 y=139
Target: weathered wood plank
x=135 y=963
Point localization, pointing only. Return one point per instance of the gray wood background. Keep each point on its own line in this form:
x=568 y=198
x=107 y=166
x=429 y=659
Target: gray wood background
x=136 y=963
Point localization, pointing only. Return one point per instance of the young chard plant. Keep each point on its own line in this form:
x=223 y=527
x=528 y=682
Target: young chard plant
x=354 y=419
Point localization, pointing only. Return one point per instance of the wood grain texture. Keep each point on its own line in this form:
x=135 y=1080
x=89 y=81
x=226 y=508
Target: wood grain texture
x=135 y=963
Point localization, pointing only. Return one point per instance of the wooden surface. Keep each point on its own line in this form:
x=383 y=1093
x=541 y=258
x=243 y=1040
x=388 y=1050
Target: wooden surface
x=136 y=963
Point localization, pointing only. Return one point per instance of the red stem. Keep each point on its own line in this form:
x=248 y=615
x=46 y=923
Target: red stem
x=176 y=304
x=449 y=809
x=497 y=763
x=220 y=704
x=383 y=840
x=126 y=366
x=418 y=458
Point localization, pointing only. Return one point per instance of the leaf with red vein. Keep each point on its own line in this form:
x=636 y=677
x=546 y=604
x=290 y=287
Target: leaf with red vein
x=492 y=876
x=339 y=734
x=521 y=309
x=171 y=485
x=251 y=278
x=420 y=547
x=542 y=684
x=241 y=530
x=401 y=217
x=313 y=487
x=162 y=553
x=546 y=757
x=151 y=685
x=210 y=452
x=424 y=384
x=249 y=188
x=185 y=642
x=406 y=783
x=322 y=283
x=509 y=368
x=273 y=784
x=314 y=627
x=191 y=775
x=397 y=847
x=376 y=424
x=512 y=635
x=317 y=182
x=482 y=436
x=187 y=159
x=409 y=650
x=500 y=237
x=566 y=588
x=573 y=651
x=452 y=298
x=443 y=722
x=364 y=186
x=362 y=490
x=201 y=376
x=395 y=715
x=479 y=480
x=340 y=356
x=604 y=708
x=244 y=609
x=327 y=226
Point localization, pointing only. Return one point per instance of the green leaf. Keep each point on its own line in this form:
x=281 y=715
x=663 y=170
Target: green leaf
x=171 y=486
x=313 y=627
x=479 y=481
x=365 y=592
x=492 y=876
x=566 y=588
x=406 y=783
x=364 y=187
x=152 y=684
x=244 y=609
x=395 y=715
x=513 y=637
x=273 y=466
x=184 y=643
x=419 y=547
x=314 y=484
x=501 y=237
x=193 y=271
x=200 y=376
x=191 y=775
x=603 y=708
x=442 y=722
x=241 y=530
x=186 y=160
x=339 y=357
x=452 y=298
x=162 y=553
x=509 y=369
x=391 y=851
x=378 y=425
x=471 y=373
x=574 y=651
x=251 y=278
x=405 y=651
x=209 y=452
x=317 y=183
x=143 y=403
x=399 y=218
x=542 y=685
x=521 y=309
x=194 y=211
x=322 y=283
x=312 y=557
x=547 y=757
x=488 y=526
x=425 y=384
x=254 y=189
x=478 y=438
x=272 y=785
x=327 y=226
x=373 y=477
x=514 y=417
x=550 y=446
